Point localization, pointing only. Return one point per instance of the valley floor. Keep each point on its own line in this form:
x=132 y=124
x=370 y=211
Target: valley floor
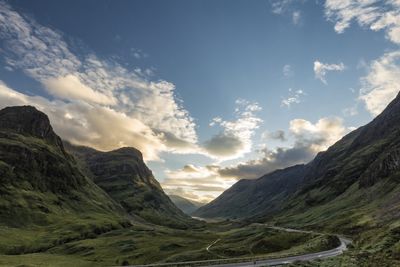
x=144 y=244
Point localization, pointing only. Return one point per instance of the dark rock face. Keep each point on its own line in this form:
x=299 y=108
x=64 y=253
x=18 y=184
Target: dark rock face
x=28 y=120
x=388 y=164
x=40 y=183
x=125 y=162
x=25 y=157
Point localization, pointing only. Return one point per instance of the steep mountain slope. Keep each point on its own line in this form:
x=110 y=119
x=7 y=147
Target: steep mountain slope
x=41 y=187
x=123 y=174
x=249 y=197
x=364 y=158
x=186 y=205
x=357 y=180
x=352 y=188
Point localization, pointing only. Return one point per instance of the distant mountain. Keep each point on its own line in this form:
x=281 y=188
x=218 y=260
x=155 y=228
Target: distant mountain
x=249 y=197
x=42 y=186
x=186 y=205
x=124 y=176
x=353 y=188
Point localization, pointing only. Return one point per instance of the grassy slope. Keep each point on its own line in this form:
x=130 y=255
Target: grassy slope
x=249 y=197
x=352 y=188
x=37 y=211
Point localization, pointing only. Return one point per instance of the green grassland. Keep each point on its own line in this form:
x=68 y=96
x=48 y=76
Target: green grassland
x=143 y=244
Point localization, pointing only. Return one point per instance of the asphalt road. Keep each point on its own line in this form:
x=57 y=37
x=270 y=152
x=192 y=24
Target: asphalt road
x=306 y=257
x=270 y=262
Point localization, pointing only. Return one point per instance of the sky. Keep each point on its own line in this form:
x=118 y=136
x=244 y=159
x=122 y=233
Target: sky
x=210 y=91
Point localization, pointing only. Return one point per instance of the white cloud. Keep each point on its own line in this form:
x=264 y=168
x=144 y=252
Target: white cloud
x=294 y=97
x=280 y=6
x=318 y=136
x=206 y=183
x=321 y=69
x=235 y=138
x=375 y=14
x=382 y=83
x=91 y=125
x=70 y=87
x=309 y=139
x=89 y=81
x=296 y=17
x=196 y=183
x=287 y=70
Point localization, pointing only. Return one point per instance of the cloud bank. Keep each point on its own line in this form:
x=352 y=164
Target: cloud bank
x=309 y=139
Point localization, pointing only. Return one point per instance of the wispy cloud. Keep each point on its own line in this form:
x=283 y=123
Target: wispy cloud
x=294 y=97
x=287 y=70
x=296 y=17
x=375 y=14
x=95 y=84
x=280 y=6
x=321 y=69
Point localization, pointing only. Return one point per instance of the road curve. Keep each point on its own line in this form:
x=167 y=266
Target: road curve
x=286 y=260
x=260 y=262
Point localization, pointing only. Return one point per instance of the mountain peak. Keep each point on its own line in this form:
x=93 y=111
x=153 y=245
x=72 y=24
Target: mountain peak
x=28 y=120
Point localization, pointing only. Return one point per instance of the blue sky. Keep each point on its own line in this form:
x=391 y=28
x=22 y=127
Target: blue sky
x=209 y=91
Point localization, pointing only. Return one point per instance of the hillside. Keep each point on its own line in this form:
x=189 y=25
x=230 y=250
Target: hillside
x=249 y=197
x=124 y=176
x=186 y=205
x=364 y=158
x=352 y=188
x=42 y=188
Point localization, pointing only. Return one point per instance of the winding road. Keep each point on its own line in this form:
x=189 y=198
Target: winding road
x=262 y=262
x=286 y=260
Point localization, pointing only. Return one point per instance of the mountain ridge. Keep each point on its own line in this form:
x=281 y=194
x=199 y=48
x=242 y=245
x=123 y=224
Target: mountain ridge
x=186 y=205
x=124 y=176
x=364 y=157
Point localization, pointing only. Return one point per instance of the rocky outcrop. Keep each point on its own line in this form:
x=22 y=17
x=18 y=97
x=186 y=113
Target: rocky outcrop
x=27 y=120
x=385 y=166
x=40 y=183
x=30 y=151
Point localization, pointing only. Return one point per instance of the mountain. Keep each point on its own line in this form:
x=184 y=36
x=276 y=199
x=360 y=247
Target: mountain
x=41 y=187
x=186 y=205
x=352 y=188
x=124 y=176
x=249 y=197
